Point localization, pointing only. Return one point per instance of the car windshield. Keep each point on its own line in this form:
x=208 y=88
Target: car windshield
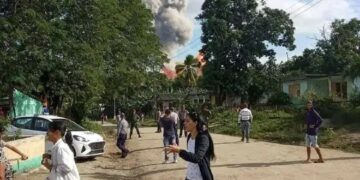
x=70 y=125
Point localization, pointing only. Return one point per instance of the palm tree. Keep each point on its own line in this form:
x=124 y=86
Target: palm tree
x=188 y=71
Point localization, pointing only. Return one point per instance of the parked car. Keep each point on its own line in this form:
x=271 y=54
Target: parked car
x=82 y=142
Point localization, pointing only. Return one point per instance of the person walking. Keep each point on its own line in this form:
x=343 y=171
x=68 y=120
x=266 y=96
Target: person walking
x=158 y=114
x=169 y=134
x=245 y=120
x=134 y=123
x=6 y=172
x=200 y=149
x=313 y=123
x=206 y=113
x=182 y=115
x=175 y=117
x=62 y=158
x=122 y=130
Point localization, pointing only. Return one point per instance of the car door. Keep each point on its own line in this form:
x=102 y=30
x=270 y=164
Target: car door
x=41 y=126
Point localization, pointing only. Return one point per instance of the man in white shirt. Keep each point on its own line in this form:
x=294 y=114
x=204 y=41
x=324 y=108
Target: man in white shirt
x=245 y=120
x=62 y=166
x=123 y=126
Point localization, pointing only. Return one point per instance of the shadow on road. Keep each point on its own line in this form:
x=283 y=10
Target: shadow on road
x=280 y=163
x=234 y=142
x=145 y=149
x=240 y=165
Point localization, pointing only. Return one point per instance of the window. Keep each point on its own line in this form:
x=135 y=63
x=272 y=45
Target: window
x=41 y=124
x=339 y=89
x=23 y=123
x=294 y=90
x=70 y=125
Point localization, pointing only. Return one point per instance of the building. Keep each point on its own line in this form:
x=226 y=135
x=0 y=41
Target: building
x=337 y=87
x=168 y=99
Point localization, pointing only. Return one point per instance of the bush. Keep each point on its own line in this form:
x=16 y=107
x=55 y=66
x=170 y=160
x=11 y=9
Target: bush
x=92 y=126
x=355 y=99
x=4 y=123
x=327 y=107
x=279 y=99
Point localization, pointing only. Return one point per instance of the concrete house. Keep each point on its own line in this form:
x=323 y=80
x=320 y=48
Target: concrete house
x=337 y=87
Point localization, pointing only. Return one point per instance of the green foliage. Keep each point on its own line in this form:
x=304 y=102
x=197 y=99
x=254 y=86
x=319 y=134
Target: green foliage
x=335 y=53
x=187 y=73
x=355 y=99
x=279 y=99
x=4 y=123
x=271 y=125
x=92 y=126
x=234 y=43
x=79 y=53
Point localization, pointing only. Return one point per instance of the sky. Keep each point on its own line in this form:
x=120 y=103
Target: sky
x=309 y=16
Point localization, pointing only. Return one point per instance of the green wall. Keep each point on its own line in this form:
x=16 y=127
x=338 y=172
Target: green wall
x=29 y=164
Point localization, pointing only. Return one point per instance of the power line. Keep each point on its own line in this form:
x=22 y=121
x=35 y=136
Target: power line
x=302 y=12
x=299 y=8
x=296 y=3
x=296 y=15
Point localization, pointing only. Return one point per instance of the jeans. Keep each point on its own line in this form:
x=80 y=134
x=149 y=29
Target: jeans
x=176 y=135
x=169 y=140
x=132 y=126
x=245 y=129
x=182 y=128
x=121 y=143
x=158 y=126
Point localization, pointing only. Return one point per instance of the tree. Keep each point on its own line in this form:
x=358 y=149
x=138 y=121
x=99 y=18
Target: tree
x=187 y=72
x=235 y=35
x=336 y=53
x=79 y=52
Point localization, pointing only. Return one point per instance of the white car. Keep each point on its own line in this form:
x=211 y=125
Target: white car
x=83 y=143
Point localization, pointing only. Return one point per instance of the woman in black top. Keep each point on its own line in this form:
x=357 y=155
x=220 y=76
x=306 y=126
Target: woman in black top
x=200 y=149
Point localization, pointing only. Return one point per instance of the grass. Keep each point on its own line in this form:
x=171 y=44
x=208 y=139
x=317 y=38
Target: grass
x=281 y=127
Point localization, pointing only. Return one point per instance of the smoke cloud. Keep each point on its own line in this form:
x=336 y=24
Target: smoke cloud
x=172 y=26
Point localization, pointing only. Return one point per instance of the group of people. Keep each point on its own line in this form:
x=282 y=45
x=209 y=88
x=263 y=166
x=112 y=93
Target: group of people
x=192 y=125
x=313 y=123
x=200 y=146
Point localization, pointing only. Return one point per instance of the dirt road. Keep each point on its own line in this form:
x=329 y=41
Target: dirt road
x=235 y=160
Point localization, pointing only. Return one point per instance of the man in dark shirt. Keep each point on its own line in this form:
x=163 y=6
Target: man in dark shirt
x=182 y=115
x=169 y=133
x=313 y=122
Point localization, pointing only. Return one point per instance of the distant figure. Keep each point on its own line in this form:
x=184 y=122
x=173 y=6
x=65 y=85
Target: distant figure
x=183 y=113
x=134 y=123
x=2 y=114
x=158 y=115
x=45 y=110
x=169 y=134
x=122 y=131
x=5 y=166
x=175 y=117
x=313 y=123
x=62 y=164
x=206 y=113
x=245 y=120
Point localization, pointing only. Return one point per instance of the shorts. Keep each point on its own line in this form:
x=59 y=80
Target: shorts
x=311 y=141
x=169 y=140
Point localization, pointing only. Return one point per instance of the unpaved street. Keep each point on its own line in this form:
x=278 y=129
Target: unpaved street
x=235 y=160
